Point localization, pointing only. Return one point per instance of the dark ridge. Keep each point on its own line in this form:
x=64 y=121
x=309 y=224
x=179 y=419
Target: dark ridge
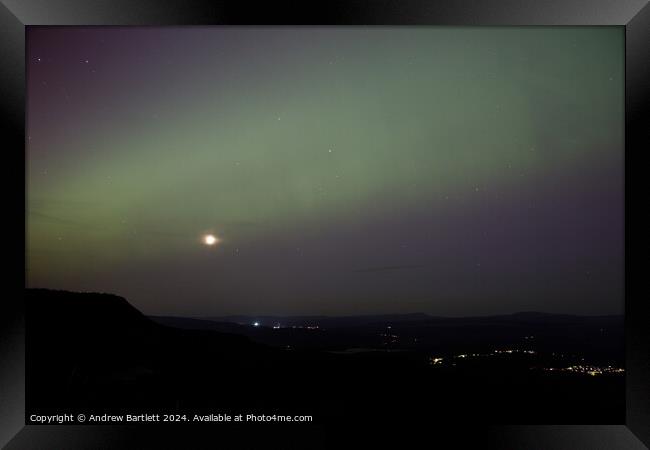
x=102 y=317
x=89 y=310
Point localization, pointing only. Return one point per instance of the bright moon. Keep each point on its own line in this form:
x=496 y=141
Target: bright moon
x=210 y=239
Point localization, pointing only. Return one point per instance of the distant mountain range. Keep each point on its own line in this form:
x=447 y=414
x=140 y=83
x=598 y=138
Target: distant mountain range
x=320 y=320
x=388 y=319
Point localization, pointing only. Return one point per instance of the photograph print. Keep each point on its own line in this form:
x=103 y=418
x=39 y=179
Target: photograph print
x=325 y=224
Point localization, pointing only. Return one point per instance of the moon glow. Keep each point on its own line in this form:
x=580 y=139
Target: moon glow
x=210 y=239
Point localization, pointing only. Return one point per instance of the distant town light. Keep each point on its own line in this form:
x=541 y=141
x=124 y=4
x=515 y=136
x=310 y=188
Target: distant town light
x=256 y=324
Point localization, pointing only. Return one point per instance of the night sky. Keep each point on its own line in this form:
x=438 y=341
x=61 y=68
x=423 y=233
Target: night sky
x=451 y=171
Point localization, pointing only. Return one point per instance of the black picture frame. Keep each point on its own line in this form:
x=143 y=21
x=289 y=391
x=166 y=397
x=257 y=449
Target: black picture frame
x=16 y=15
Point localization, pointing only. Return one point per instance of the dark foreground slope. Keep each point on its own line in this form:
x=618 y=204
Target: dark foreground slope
x=96 y=349
x=94 y=352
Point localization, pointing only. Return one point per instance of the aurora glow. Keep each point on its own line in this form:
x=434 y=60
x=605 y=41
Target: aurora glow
x=344 y=170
